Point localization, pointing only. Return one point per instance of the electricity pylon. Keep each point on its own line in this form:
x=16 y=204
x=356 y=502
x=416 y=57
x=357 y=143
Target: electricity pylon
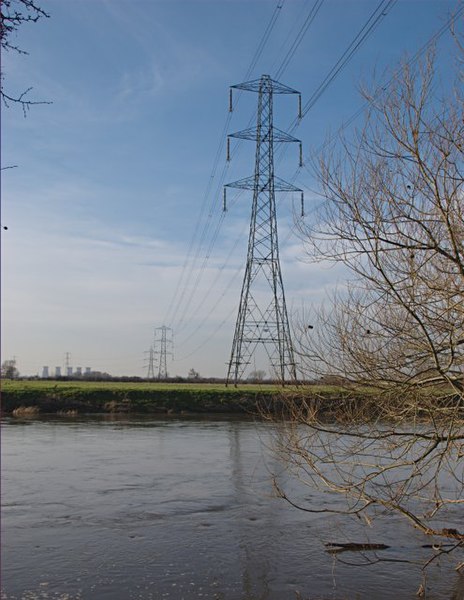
x=164 y=344
x=262 y=316
x=151 y=363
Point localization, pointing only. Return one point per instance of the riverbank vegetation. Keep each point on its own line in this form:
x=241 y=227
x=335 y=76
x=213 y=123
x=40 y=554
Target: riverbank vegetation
x=332 y=403
x=49 y=396
x=91 y=397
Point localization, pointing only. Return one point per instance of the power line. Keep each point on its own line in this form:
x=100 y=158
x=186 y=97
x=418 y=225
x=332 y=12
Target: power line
x=381 y=10
x=180 y=299
x=299 y=37
x=369 y=26
x=379 y=13
x=206 y=340
x=264 y=39
x=374 y=19
x=177 y=300
x=382 y=88
x=366 y=29
x=234 y=309
x=214 y=306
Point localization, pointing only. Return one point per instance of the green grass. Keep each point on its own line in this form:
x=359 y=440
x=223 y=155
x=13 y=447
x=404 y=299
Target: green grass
x=154 y=385
x=87 y=396
x=111 y=396
x=9 y=385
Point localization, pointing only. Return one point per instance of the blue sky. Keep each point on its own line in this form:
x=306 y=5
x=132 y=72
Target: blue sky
x=114 y=209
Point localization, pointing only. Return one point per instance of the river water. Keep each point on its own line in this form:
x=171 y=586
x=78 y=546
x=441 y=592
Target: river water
x=142 y=508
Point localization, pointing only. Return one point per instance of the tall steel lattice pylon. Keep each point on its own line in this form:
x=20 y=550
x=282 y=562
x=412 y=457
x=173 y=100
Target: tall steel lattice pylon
x=262 y=316
x=163 y=341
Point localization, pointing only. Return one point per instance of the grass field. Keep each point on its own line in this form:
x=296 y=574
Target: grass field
x=85 y=396
x=40 y=385
x=47 y=396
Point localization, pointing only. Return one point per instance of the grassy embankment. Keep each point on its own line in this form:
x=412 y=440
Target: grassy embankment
x=143 y=397
x=28 y=398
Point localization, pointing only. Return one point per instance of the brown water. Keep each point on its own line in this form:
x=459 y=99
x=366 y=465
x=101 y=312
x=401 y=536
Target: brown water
x=125 y=509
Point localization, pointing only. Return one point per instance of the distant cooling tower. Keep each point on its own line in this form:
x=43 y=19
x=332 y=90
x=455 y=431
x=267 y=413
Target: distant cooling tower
x=45 y=373
x=88 y=370
x=69 y=371
x=57 y=371
x=78 y=370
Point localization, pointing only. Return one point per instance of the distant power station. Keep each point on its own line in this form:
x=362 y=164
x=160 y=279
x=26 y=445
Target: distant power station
x=68 y=370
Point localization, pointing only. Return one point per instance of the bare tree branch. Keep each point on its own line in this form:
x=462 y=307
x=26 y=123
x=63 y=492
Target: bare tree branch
x=13 y=14
x=393 y=337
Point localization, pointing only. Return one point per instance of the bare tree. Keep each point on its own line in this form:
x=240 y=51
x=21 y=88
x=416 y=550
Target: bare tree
x=13 y=14
x=9 y=369
x=193 y=374
x=394 y=215
x=257 y=375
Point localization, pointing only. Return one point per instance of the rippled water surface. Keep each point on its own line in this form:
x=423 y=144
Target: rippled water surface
x=179 y=509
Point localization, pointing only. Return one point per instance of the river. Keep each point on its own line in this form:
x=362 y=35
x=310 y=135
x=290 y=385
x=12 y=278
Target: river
x=126 y=508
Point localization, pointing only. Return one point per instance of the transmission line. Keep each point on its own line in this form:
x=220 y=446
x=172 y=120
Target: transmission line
x=234 y=309
x=381 y=89
x=177 y=301
x=368 y=27
x=299 y=37
x=180 y=299
x=213 y=285
x=381 y=10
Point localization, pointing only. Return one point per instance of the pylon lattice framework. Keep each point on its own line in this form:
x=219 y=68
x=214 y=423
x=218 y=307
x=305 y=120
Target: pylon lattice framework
x=263 y=319
x=151 y=363
x=163 y=346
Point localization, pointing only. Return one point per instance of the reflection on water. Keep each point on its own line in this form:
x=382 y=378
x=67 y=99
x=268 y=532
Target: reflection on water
x=180 y=509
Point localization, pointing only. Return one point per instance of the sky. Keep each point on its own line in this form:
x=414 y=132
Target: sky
x=114 y=204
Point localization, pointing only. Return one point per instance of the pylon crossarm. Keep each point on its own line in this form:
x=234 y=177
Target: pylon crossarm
x=252 y=133
x=247 y=183
x=278 y=184
x=246 y=134
x=282 y=136
x=267 y=83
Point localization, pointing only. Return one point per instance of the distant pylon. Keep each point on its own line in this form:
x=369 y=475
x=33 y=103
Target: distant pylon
x=262 y=316
x=67 y=364
x=151 y=363
x=164 y=343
